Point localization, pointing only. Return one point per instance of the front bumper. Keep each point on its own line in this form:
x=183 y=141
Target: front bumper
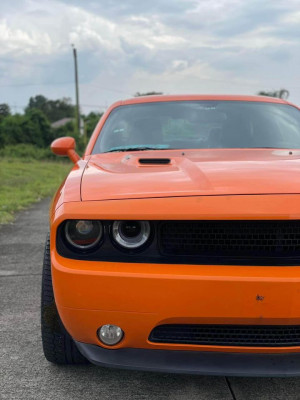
x=192 y=362
x=139 y=296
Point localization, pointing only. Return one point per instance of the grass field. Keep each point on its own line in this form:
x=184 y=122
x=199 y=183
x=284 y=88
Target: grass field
x=24 y=182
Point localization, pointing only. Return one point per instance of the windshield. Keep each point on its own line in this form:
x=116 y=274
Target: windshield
x=200 y=125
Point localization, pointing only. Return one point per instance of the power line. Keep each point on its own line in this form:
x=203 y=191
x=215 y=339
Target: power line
x=36 y=84
x=94 y=105
x=81 y=105
x=61 y=83
x=110 y=90
x=232 y=82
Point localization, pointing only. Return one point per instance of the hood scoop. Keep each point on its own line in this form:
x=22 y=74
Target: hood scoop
x=154 y=161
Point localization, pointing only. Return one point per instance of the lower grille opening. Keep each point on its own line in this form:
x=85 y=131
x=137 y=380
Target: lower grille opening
x=228 y=335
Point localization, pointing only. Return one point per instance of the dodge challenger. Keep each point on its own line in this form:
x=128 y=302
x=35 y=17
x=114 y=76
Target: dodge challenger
x=174 y=241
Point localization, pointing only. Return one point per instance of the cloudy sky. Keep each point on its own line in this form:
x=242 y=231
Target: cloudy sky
x=125 y=46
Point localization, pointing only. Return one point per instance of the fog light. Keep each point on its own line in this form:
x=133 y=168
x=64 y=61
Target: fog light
x=110 y=334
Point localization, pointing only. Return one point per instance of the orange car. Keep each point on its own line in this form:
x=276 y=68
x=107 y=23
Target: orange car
x=175 y=241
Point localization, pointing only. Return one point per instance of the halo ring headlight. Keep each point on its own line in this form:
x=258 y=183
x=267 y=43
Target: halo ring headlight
x=131 y=234
x=83 y=234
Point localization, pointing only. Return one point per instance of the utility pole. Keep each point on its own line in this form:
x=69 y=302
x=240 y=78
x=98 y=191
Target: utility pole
x=77 y=110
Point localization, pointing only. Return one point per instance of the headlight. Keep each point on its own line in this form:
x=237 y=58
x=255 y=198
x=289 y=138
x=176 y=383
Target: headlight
x=131 y=234
x=83 y=234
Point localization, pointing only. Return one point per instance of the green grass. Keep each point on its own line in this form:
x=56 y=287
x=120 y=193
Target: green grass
x=23 y=182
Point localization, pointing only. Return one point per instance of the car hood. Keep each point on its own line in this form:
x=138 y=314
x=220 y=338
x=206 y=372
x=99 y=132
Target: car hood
x=191 y=173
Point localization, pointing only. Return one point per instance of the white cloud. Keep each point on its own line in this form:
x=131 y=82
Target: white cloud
x=166 y=45
x=18 y=41
x=293 y=18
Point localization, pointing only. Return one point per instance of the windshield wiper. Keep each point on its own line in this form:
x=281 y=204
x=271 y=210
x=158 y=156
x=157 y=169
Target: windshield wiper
x=138 y=148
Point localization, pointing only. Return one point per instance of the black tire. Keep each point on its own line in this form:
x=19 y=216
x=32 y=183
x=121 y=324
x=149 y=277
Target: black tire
x=58 y=346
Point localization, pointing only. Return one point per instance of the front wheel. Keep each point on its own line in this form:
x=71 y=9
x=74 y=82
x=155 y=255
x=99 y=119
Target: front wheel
x=58 y=346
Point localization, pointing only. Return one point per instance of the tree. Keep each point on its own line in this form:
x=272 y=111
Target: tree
x=42 y=134
x=53 y=109
x=90 y=122
x=138 y=94
x=4 y=111
x=281 y=94
x=11 y=130
x=32 y=127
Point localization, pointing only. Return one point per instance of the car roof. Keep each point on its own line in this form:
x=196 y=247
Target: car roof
x=193 y=97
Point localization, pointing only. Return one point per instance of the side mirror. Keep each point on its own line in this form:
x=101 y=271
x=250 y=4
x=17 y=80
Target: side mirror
x=65 y=146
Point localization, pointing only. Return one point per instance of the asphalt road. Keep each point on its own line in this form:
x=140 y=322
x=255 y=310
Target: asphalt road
x=25 y=374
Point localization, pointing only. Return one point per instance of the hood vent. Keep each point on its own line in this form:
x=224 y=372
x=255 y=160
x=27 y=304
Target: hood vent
x=154 y=161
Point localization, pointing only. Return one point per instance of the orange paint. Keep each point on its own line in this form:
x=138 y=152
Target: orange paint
x=214 y=184
x=65 y=146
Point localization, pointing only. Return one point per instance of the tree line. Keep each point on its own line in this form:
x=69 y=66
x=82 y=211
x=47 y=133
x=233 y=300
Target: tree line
x=33 y=127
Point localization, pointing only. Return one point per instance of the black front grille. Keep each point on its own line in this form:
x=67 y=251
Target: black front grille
x=228 y=335
x=245 y=239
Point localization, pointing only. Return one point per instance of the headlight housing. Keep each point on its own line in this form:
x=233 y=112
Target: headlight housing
x=131 y=235
x=83 y=234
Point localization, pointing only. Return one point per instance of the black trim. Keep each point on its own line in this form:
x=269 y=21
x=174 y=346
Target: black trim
x=154 y=161
x=194 y=362
x=252 y=239
x=227 y=335
x=152 y=252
